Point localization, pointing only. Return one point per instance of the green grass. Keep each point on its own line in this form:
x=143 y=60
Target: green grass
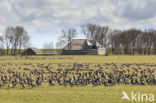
x=87 y=94
x=88 y=59
x=54 y=50
x=61 y=94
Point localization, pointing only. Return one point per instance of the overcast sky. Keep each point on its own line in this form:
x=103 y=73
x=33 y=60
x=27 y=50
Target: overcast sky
x=45 y=19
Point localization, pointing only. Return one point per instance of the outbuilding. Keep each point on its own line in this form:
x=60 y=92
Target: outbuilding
x=32 y=51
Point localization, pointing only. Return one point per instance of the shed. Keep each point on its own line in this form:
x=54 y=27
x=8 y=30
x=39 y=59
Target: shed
x=32 y=51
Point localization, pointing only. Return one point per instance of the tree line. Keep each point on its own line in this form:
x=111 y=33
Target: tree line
x=13 y=40
x=117 y=42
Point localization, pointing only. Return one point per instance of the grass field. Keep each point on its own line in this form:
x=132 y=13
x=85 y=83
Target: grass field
x=86 y=94
x=86 y=59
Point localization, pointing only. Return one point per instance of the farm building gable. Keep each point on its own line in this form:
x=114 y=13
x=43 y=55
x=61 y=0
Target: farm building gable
x=76 y=44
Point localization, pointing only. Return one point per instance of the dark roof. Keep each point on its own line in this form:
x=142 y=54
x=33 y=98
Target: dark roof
x=36 y=50
x=80 y=44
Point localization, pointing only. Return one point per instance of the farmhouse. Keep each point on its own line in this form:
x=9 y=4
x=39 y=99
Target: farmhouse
x=83 y=47
x=33 y=51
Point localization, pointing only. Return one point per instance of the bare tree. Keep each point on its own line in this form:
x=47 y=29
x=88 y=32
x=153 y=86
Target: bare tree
x=150 y=38
x=23 y=41
x=125 y=40
x=113 y=39
x=133 y=33
x=139 y=43
x=60 y=45
x=68 y=36
x=1 y=45
x=90 y=31
x=85 y=31
x=15 y=38
x=17 y=35
x=102 y=35
x=95 y=33
x=9 y=36
x=154 y=42
x=48 y=45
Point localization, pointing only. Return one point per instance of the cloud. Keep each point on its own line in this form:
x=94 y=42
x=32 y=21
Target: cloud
x=141 y=10
x=47 y=18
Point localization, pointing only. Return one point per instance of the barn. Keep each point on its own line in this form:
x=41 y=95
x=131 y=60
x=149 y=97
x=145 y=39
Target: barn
x=32 y=51
x=83 y=47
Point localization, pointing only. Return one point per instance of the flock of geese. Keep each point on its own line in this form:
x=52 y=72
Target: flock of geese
x=30 y=75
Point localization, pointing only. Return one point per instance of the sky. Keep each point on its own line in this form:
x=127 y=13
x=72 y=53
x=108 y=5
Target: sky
x=44 y=20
